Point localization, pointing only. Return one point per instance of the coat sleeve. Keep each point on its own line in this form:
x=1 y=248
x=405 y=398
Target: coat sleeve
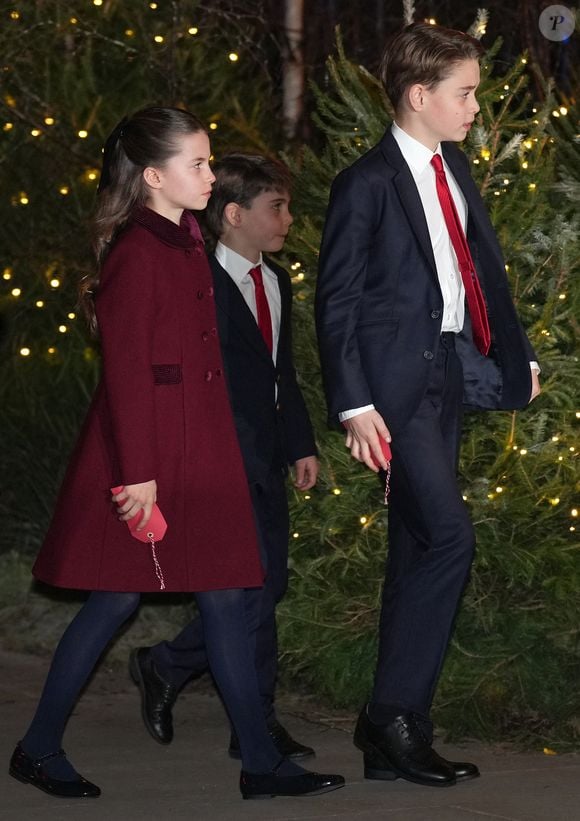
x=346 y=240
x=299 y=436
x=125 y=307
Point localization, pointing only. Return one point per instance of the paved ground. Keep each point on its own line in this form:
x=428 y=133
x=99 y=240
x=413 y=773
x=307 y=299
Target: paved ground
x=193 y=779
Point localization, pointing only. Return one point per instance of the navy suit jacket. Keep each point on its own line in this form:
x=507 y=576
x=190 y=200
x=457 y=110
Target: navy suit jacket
x=274 y=428
x=379 y=306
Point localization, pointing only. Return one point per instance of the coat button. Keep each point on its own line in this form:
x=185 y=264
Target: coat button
x=435 y=314
x=427 y=354
x=200 y=294
x=205 y=336
x=208 y=376
x=210 y=291
x=214 y=331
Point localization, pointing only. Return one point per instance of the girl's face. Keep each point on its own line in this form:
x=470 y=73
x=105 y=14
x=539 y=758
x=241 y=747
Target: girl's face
x=185 y=180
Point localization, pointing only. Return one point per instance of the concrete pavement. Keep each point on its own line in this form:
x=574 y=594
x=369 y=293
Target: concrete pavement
x=194 y=779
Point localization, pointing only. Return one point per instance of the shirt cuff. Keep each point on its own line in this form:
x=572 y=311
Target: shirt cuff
x=535 y=367
x=348 y=414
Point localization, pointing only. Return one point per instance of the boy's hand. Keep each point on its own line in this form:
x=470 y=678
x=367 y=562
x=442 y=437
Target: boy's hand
x=536 y=389
x=363 y=433
x=306 y=472
x=134 y=498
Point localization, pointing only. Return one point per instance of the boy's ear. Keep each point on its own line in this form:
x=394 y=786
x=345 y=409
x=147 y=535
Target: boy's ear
x=415 y=96
x=232 y=214
x=152 y=177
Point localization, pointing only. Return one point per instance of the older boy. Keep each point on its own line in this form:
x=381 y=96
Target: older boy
x=249 y=212
x=414 y=317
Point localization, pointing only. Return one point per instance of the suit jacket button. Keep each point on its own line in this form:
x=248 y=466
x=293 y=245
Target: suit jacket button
x=428 y=354
x=435 y=314
x=210 y=291
x=200 y=294
x=205 y=336
x=208 y=376
x=214 y=331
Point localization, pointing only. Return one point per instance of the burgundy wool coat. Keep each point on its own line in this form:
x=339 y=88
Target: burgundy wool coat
x=161 y=411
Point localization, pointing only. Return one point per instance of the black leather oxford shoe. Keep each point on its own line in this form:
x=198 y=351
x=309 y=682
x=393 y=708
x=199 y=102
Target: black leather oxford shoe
x=157 y=695
x=31 y=771
x=283 y=741
x=269 y=785
x=399 y=749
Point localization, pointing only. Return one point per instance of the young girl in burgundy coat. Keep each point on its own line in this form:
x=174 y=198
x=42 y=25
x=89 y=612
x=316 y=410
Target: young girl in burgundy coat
x=161 y=429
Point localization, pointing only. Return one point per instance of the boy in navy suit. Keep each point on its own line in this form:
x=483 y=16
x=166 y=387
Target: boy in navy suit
x=414 y=318
x=249 y=213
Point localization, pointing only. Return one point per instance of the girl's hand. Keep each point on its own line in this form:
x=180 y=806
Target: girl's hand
x=134 y=498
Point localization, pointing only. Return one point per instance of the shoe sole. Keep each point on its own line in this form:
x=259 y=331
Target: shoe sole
x=237 y=756
x=136 y=675
x=392 y=773
x=32 y=783
x=321 y=791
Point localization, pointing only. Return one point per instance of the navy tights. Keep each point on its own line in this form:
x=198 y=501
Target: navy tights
x=223 y=613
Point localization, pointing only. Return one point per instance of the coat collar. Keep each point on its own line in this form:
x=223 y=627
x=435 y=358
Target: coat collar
x=178 y=236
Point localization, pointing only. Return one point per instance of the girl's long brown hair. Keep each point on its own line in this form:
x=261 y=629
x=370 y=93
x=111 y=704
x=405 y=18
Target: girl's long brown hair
x=148 y=138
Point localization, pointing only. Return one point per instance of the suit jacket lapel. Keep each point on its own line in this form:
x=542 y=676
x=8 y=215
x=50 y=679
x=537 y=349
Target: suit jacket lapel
x=409 y=196
x=232 y=303
x=285 y=299
x=478 y=222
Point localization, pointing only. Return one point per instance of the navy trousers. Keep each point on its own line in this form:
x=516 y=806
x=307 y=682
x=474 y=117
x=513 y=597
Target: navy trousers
x=185 y=656
x=431 y=544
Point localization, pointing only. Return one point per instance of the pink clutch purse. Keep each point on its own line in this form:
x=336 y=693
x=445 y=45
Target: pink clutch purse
x=154 y=532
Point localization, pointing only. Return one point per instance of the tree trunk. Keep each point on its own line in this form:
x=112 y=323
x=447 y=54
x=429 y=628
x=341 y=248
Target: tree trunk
x=293 y=83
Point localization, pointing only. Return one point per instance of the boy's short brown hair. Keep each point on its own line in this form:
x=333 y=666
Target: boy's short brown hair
x=426 y=54
x=240 y=178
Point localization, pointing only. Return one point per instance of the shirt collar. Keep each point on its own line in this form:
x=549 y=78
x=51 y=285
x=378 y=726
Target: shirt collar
x=237 y=266
x=416 y=155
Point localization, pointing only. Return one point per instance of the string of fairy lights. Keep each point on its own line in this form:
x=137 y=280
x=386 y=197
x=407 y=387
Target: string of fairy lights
x=16 y=127
x=90 y=176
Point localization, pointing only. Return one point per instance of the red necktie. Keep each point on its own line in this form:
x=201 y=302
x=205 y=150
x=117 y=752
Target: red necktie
x=473 y=292
x=264 y=317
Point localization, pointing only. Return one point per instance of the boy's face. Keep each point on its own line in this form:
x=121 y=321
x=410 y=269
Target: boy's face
x=449 y=108
x=264 y=225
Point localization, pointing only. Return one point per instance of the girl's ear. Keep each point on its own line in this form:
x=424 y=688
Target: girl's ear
x=152 y=177
x=232 y=214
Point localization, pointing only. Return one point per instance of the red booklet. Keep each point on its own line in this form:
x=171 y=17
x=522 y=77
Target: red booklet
x=156 y=526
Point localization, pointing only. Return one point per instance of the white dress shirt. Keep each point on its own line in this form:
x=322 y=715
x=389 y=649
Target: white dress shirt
x=238 y=268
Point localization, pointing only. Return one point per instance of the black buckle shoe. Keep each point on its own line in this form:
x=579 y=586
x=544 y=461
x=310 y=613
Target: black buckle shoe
x=157 y=695
x=31 y=771
x=283 y=741
x=270 y=785
x=399 y=749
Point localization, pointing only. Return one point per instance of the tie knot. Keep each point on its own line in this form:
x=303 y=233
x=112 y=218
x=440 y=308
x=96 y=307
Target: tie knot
x=437 y=164
x=256 y=274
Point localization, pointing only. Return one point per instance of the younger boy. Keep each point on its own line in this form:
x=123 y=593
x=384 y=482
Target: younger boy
x=249 y=214
x=415 y=317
